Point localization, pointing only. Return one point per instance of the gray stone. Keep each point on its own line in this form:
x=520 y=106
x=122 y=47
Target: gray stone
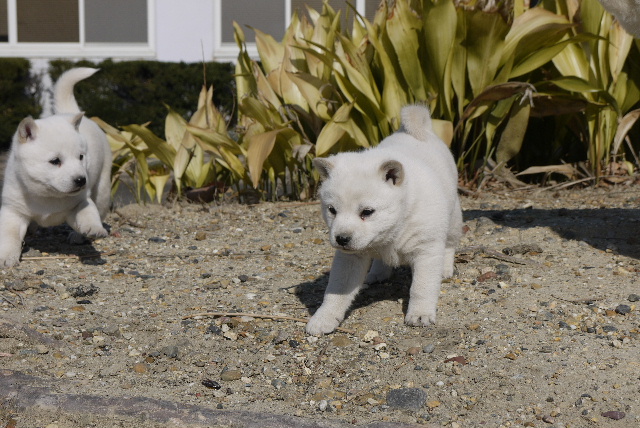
x=407 y=398
x=171 y=351
x=427 y=349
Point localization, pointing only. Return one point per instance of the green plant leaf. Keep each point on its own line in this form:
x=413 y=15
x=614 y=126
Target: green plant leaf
x=513 y=134
x=163 y=151
x=403 y=27
x=159 y=182
x=485 y=43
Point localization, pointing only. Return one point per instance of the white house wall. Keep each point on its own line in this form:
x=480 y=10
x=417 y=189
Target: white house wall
x=184 y=30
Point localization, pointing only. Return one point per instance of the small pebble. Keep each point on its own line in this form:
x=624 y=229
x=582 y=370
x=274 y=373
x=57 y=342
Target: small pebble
x=623 y=309
x=140 y=368
x=278 y=383
x=211 y=384
x=457 y=359
x=230 y=375
x=613 y=414
x=407 y=398
x=413 y=350
x=83 y=290
x=633 y=297
x=341 y=341
x=427 y=349
x=171 y=351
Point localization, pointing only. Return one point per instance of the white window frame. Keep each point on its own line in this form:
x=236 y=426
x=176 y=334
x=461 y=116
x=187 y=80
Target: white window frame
x=13 y=48
x=228 y=52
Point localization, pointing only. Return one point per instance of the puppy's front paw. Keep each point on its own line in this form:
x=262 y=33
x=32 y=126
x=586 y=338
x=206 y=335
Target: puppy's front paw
x=94 y=232
x=9 y=260
x=322 y=323
x=448 y=271
x=420 y=318
x=78 y=238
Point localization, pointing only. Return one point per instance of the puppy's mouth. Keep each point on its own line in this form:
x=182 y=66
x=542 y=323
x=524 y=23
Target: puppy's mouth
x=348 y=248
x=345 y=249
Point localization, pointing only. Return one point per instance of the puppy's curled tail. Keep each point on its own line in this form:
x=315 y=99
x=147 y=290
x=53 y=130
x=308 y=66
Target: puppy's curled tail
x=63 y=99
x=416 y=121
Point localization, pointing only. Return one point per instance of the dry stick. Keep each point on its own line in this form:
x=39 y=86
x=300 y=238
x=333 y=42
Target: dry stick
x=131 y=222
x=246 y=314
x=496 y=255
x=585 y=301
x=565 y=185
x=8 y=301
x=79 y=257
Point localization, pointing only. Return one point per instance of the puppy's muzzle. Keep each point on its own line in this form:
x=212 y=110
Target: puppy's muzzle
x=80 y=181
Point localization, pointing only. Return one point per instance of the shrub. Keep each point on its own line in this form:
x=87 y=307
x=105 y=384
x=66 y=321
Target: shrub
x=129 y=92
x=20 y=93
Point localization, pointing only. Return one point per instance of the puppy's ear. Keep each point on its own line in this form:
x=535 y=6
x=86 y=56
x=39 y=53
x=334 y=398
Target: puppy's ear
x=392 y=171
x=75 y=120
x=27 y=130
x=324 y=167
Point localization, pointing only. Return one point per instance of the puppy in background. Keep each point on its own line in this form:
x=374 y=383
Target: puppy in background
x=58 y=170
x=396 y=204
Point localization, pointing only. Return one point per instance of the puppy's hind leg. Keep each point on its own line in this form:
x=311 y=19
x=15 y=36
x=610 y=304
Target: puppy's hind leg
x=453 y=238
x=345 y=281
x=379 y=272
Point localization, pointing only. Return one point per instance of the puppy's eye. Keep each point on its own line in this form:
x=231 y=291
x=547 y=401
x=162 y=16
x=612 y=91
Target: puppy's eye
x=367 y=212
x=81 y=157
x=332 y=210
x=55 y=161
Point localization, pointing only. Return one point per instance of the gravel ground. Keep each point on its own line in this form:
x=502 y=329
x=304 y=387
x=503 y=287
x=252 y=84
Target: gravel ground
x=166 y=322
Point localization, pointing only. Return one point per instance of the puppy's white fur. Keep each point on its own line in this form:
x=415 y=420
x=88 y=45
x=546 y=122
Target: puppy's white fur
x=396 y=204
x=58 y=170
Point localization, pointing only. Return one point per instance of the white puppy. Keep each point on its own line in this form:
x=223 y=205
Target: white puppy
x=396 y=204
x=58 y=171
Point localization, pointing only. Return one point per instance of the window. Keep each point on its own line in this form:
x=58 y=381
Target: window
x=48 y=21
x=4 y=23
x=51 y=28
x=272 y=18
x=266 y=16
x=115 y=21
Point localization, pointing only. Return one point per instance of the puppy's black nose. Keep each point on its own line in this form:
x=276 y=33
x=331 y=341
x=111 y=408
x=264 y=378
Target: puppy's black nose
x=343 y=240
x=80 y=181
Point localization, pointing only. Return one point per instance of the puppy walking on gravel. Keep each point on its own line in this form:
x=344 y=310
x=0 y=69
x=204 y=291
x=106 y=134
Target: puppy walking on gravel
x=59 y=170
x=396 y=204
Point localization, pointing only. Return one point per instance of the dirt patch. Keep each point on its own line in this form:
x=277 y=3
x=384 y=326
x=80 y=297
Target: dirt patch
x=539 y=326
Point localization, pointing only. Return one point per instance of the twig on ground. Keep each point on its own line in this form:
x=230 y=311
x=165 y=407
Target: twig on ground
x=565 y=185
x=298 y=204
x=481 y=249
x=8 y=301
x=125 y=219
x=12 y=291
x=252 y=315
x=584 y=301
x=68 y=256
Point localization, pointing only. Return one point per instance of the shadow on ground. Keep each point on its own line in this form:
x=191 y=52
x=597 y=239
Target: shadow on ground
x=55 y=241
x=614 y=229
x=606 y=229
